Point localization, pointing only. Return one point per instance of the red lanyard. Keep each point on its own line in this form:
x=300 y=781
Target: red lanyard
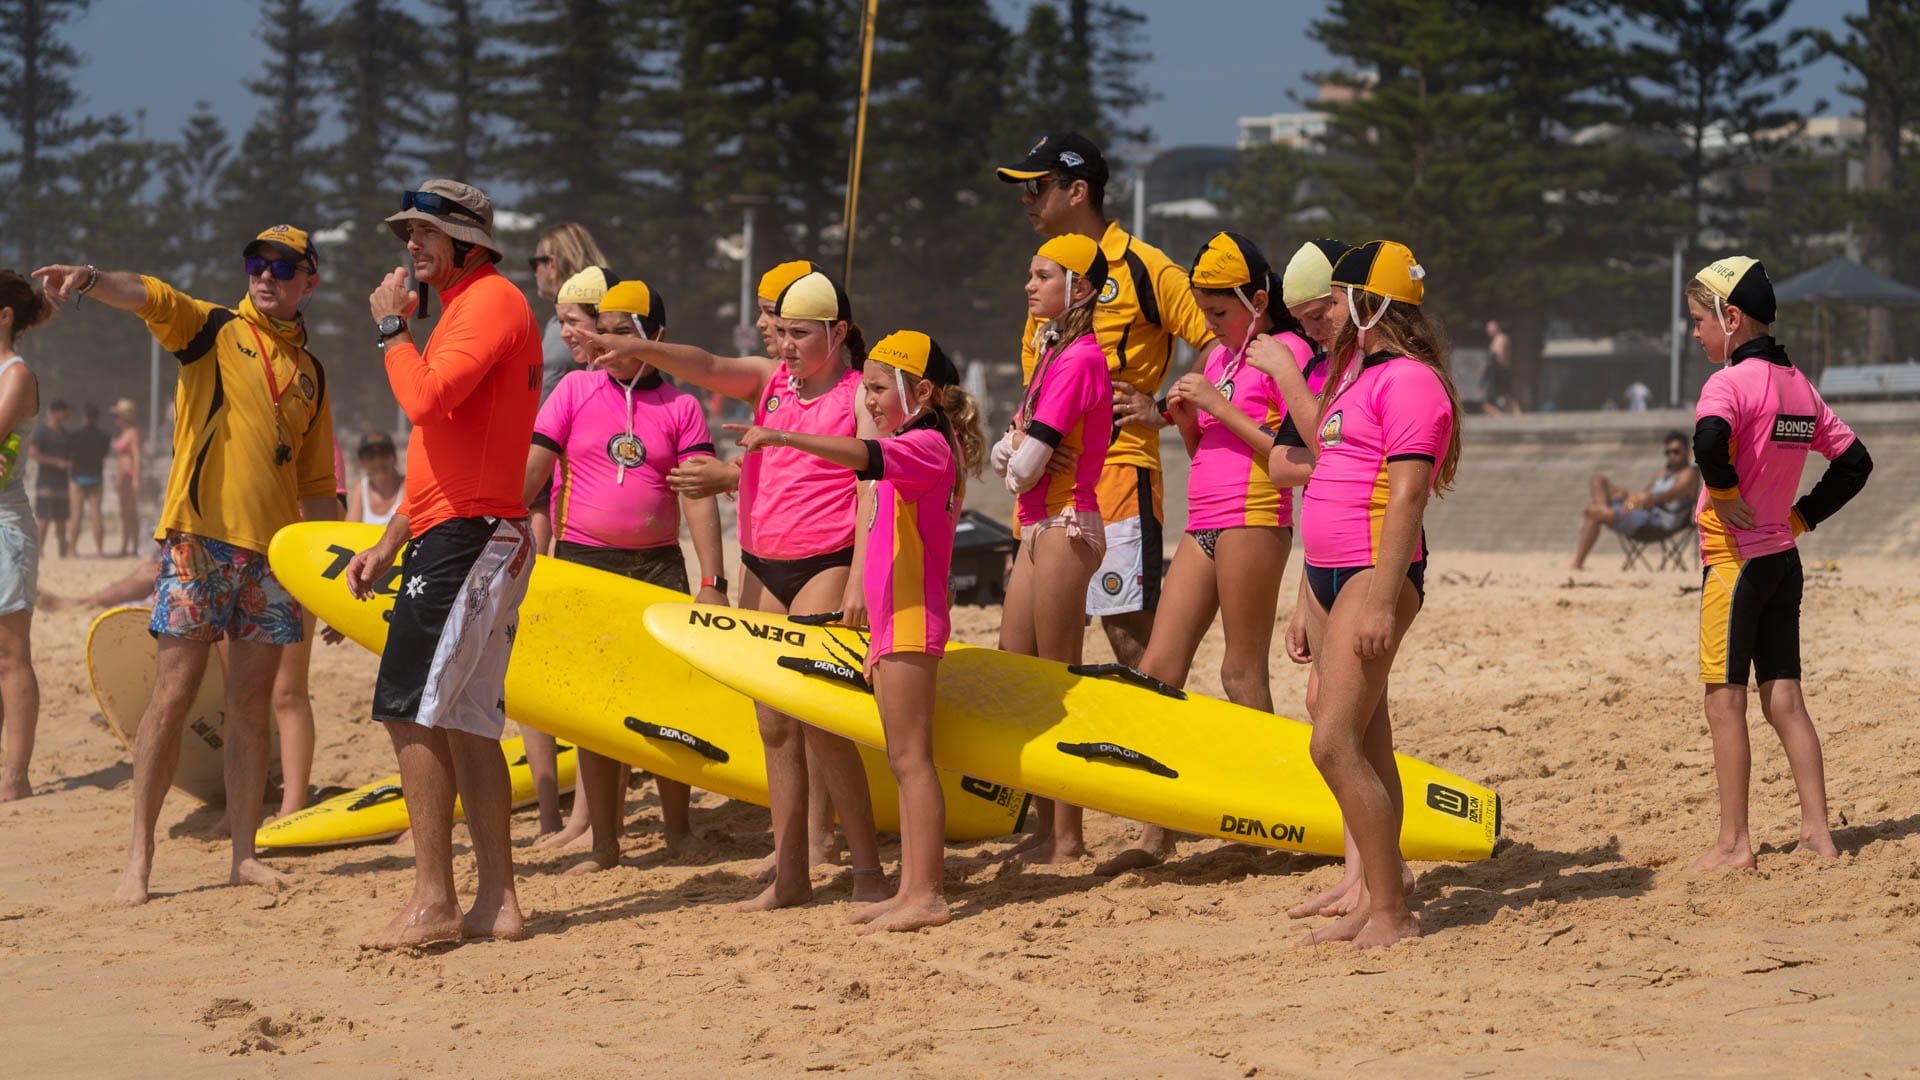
x=266 y=365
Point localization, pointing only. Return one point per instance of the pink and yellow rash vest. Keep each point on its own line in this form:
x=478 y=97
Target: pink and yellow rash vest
x=794 y=505
x=910 y=541
x=585 y=421
x=1776 y=417
x=1229 y=486
x=1072 y=406
x=1394 y=408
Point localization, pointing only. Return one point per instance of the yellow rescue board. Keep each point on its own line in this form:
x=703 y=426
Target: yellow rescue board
x=585 y=670
x=1187 y=762
x=121 y=661
x=378 y=811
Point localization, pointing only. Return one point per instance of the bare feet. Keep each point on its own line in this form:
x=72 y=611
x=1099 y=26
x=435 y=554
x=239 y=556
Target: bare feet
x=1725 y=856
x=1381 y=931
x=775 y=896
x=866 y=913
x=870 y=886
x=1026 y=844
x=132 y=890
x=689 y=848
x=223 y=830
x=255 y=872
x=1047 y=854
x=762 y=871
x=501 y=922
x=1155 y=846
x=1335 y=899
x=564 y=838
x=592 y=864
x=906 y=917
x=1345 y=928
x=1819 y=843
x=15 y=787
x=417 y=926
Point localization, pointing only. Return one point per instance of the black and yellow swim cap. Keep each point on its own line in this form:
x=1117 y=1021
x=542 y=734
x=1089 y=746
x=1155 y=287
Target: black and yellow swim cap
x=776 y=280
x=1080 y=254
x=635 y=298
x=814 y=296
x=1384 y=268
x=1229 y=260
x=1743 y=283
x=917 y=355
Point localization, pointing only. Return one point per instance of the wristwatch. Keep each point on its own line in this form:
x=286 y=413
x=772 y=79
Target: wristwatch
x=391 y=326
x=716 y=583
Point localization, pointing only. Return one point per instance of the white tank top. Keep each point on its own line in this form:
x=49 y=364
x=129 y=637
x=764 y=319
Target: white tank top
x=366 y=505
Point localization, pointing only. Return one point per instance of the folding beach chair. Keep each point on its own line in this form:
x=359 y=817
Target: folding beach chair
x=1678 y=547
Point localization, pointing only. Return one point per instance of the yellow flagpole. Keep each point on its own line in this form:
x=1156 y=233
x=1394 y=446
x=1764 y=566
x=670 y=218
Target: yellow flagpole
x=859 y=137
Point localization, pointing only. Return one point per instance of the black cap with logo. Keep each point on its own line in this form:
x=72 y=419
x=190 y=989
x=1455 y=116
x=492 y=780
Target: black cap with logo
x=1067 y=153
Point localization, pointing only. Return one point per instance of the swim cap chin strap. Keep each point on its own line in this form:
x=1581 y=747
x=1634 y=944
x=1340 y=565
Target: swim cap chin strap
x=900 y=383
x=1353 y=309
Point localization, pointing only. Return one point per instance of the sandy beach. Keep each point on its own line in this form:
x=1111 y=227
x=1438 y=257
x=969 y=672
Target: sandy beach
x=1580 y=949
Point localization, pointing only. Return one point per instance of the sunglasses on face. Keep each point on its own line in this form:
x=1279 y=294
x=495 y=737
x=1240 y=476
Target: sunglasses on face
x=1039 y=184
x=281 y=269
x=438 y=205
x=539 y=261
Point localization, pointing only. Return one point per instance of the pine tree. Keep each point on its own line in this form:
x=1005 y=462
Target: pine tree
x=192 y=197
x=276 y=177
x=460 y=71
x=37 y=104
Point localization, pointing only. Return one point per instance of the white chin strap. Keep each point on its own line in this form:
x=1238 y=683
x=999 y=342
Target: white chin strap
x=1353 y=309
x=900 y=383
x=1253 y=327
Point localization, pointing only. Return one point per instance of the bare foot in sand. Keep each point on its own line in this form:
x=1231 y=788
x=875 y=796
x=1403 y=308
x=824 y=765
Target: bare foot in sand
x=1734 y=856
x=564 y=838
x=906 y=917
x=501 y=922
x=592 y=864
x=866 y=913
x=1026 y=844
x=870 y=887
x=1155 y=846
x=1047 y=854
x=221 y=831
x=824 y=851
x=762 y=871
x=255 y=872
x=774 y=896
x=689 y=848
x=416 y=926
x=1381 y=932
x=1345 y=928
x=1819 y=843
x=1335 y=899
x=132 y=890
x=15 y=787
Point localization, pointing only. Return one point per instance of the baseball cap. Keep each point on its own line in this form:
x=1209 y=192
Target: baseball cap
x=1309 y=274
x=814 y=296
x=375 y=440
x=1077 y=253
x=916 y=354
x=293 y=242
x=635 y=298
x=1068 y=153
x=1743 y=283
x=775 y=281
x=1384 y=268
x=1229 y=260
x=587 y=286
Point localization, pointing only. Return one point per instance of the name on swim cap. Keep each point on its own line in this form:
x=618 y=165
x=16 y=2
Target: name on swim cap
x=587 y=286
x=1229 y=260
x=1743 y=283
x=916 y=354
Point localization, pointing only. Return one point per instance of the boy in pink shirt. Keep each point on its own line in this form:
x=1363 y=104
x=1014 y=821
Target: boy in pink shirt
x=1757 y=421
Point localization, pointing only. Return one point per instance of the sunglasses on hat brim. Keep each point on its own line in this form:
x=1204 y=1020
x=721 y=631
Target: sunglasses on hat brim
x=281 y=269
x=438 y=205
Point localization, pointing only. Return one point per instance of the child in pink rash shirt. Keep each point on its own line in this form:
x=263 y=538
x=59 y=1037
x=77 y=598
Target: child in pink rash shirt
x=930 y=434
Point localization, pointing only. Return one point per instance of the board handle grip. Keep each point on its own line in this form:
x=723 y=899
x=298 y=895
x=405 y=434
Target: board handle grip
x=827 y=669
x=1115 y=752
x=687 y=739
x=1128 y=674
x=381 y=794
x=824 y=618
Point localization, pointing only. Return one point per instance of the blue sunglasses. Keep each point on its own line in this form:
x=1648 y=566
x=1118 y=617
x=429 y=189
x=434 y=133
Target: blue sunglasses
x=437 y=205
x=281 y=269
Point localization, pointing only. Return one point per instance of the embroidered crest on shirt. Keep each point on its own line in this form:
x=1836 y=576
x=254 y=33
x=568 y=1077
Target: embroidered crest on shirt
x=1330 y=431
x=626 y=451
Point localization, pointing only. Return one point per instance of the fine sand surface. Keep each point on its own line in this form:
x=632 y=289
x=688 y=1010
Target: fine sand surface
x=1581 y=949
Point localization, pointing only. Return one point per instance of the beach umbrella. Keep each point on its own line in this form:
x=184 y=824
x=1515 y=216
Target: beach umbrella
x=1840 y=280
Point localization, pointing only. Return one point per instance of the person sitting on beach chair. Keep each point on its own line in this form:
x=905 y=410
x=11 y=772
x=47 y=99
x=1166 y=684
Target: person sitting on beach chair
x=1660 y=510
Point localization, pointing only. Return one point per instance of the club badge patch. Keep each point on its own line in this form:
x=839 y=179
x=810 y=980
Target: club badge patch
x=626 y=451
x=1110 y=291
x=1330 y=431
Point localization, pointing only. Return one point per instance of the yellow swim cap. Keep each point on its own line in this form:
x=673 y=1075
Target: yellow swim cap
x=587 y=286
x=1077 y=253
x=1229 y=261
x=814 y=296
x=1743 y=283
x=776 y=280
x=1309 y=274
x=635 y=298
x=916 y=354
x=1384 y=268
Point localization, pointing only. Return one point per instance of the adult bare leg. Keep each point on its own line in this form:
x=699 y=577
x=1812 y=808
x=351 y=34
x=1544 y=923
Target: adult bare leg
x=19 y=702
x=432 y=913
x=251 y=667
x=486 y=794
x=156 y=753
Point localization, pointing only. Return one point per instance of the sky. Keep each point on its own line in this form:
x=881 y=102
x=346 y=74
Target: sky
x=162 y=57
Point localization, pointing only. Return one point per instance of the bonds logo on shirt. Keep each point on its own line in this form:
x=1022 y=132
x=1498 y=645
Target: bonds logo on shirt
x=1794 y=429
x=1109 y=291
x=1111 y=582
x=626 y=451
x=307 y=389
x=1330 y=431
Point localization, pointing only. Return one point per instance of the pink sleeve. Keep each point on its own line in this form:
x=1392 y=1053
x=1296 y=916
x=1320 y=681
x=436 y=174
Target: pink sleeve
x=1416 y=417
x=916 y=462
x=690 y=433
x=1071 y=389
x=1717 y=399
x=556 y=415
x=1831 y=435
